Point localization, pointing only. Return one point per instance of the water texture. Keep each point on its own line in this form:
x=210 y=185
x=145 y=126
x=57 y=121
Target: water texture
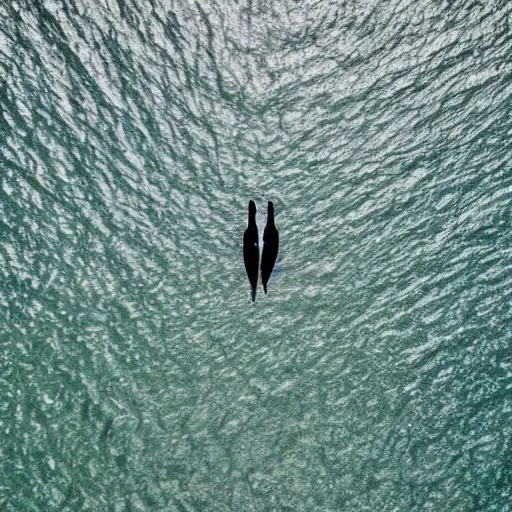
x=136 y=374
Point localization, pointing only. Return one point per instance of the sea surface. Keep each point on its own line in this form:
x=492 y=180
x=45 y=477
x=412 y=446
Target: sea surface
x=136 y=374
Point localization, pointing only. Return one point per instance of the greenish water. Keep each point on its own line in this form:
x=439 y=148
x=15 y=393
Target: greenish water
x=136 y=374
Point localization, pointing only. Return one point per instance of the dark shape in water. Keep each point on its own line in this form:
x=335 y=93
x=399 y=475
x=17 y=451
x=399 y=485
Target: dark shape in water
x=270 y=246
x=251 y=250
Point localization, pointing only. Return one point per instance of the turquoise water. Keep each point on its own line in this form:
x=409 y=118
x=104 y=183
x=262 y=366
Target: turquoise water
x=136 y=374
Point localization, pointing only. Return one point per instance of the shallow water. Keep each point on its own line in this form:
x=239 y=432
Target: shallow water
x=136 y=372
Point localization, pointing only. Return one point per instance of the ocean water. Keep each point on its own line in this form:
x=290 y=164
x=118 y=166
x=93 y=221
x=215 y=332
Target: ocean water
x=136 y=374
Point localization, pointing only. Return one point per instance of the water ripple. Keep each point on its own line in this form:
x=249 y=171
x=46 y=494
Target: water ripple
x=136 y=373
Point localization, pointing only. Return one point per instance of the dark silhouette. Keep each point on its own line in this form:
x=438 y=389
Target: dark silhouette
x=251 y=250
x=270 y=246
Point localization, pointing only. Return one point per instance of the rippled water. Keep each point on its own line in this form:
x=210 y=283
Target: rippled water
x=136 y=374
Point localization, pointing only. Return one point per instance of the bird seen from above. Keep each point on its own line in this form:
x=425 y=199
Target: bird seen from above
x=251 y=249
x=270 y=246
